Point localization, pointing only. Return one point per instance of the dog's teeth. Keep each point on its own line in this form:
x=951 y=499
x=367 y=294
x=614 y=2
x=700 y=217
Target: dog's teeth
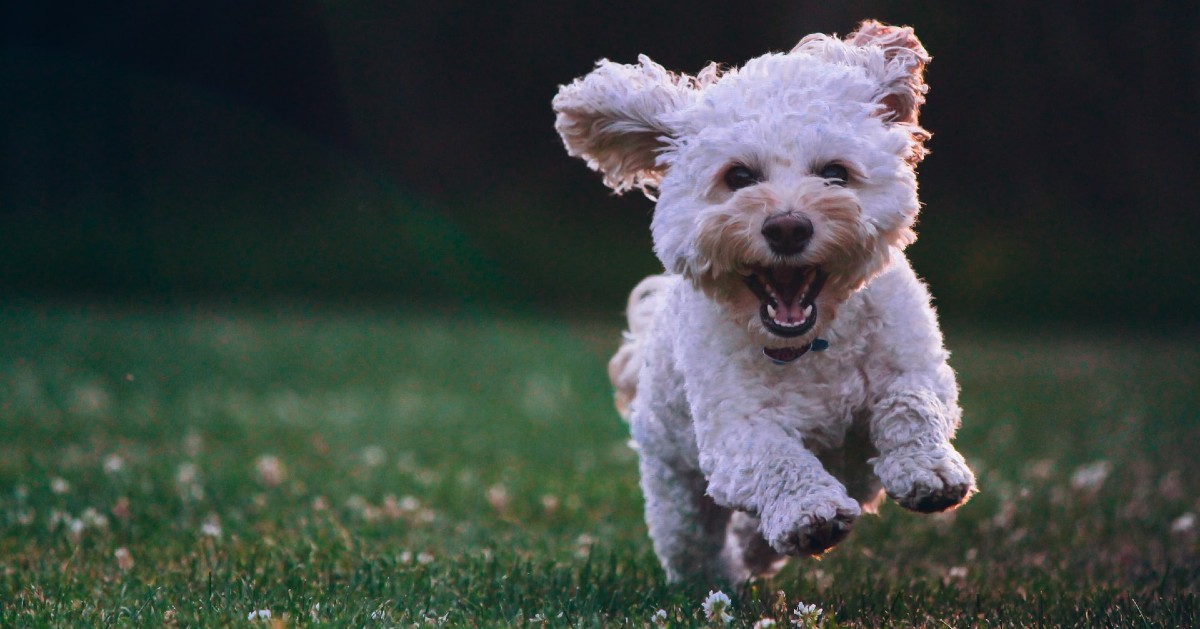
x=771 y=311
x=807 y=310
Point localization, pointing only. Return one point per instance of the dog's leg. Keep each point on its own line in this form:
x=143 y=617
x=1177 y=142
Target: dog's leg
x=760 y=468
x=915 y=410
x=686 y=526
x=917 y=465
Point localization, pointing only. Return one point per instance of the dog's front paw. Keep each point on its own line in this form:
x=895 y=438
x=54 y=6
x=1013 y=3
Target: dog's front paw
x=812 y=526
x=927 y=480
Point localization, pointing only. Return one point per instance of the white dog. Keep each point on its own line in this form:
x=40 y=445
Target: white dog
x=789 y=366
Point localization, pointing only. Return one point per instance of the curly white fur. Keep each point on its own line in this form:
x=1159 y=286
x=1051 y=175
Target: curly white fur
x=744 y=460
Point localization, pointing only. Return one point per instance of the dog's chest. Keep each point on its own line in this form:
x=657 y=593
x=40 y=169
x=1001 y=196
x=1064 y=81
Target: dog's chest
x=817 y=397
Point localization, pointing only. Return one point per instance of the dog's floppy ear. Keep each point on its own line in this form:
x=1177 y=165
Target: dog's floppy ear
x=904 y=77
x=616 y=119
x=892 y=56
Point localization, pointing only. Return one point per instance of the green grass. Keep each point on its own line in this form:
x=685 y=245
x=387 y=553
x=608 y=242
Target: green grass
x=385 y=469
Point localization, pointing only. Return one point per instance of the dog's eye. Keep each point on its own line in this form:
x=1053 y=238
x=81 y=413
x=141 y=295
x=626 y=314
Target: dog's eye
x=738 y=177
x=835 y=174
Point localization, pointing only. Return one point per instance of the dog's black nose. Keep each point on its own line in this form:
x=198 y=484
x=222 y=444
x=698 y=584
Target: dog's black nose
x=787 y=233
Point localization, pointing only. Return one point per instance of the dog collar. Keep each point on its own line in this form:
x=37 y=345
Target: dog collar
x=785 y=355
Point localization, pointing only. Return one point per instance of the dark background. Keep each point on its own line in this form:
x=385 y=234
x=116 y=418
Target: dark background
x=403 y=153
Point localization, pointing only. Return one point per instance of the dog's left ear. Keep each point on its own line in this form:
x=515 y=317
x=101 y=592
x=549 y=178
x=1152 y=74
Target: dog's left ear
x=892 y=56
x=904 y=75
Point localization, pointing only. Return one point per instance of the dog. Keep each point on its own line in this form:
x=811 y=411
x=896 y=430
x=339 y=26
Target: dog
x=787 y=369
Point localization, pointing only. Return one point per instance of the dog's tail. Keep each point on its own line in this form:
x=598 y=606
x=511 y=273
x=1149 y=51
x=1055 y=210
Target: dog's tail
x=624 y=367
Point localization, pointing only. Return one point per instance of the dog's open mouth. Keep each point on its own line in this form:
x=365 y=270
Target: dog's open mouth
x=788 y=295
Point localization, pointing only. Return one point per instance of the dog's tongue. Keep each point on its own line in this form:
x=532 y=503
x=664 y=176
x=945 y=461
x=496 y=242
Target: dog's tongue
x=789 y=284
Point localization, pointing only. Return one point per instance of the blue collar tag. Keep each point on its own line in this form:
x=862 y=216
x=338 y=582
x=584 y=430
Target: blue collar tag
x=819 y=345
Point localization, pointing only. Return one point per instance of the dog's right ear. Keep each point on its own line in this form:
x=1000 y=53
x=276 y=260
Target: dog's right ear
x=905 y=75
x=616 y=118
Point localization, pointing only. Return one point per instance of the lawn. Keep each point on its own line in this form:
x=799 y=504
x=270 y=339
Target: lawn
x=210 y=466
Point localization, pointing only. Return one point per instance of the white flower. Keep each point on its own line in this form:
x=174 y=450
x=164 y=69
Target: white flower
x=659 y=618
x=186 y=474
x=373 y=456
x=1089 y=478
x=1184 y=524
x=59 y=485
x=187 y=481
x=497 y=496
x=259 y=614
x=765 y=623
x=270 y=470
x=583 y=545
x=124 y=558
x=715 y=606
x=113 y=464
x=211 y=526
x=808 y=616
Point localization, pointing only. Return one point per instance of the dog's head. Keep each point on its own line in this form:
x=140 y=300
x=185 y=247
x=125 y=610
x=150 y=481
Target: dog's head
x=783 y=186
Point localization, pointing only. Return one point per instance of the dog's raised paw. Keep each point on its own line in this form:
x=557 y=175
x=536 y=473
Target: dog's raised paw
x=812 y=534
x=819 y=535
x=927 y=500
x=927 y=481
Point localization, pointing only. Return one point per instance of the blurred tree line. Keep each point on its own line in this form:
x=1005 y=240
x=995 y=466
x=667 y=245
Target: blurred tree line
x=404 y=152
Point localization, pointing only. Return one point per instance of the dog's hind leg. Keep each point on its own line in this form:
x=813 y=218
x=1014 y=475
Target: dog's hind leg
x=747 y=552
x=687 y=528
